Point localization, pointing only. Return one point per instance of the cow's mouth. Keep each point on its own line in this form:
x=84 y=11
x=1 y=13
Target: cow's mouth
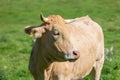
x=61 y=57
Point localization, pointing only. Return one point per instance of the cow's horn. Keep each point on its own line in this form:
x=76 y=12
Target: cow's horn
x=43 y=18
x=69 y=20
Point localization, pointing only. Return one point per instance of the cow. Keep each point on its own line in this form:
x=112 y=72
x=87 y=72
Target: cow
x=66 y=49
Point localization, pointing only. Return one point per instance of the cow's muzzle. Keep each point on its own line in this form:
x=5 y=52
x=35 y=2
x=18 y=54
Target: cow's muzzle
x=72 y=55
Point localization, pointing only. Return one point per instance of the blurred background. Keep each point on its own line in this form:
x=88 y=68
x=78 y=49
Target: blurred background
x=15 y=45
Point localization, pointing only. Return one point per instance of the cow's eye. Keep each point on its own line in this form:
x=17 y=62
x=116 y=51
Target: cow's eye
x=56 y=34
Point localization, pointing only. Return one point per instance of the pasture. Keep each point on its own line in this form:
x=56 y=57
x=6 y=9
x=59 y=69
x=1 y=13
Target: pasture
x=15 y=45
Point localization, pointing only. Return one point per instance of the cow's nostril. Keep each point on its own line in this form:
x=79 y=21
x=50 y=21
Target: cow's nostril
x=75 y=53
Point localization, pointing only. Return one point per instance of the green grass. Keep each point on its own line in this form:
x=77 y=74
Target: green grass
x=15 y=46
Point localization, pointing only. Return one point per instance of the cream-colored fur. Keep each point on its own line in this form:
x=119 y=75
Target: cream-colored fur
x=47 y=60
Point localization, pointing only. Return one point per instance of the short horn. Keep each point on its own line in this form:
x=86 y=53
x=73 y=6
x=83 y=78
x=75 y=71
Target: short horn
x=71 y=20
x=43 y=18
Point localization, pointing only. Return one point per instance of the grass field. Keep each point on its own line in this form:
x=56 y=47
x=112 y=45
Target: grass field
x=15 y=45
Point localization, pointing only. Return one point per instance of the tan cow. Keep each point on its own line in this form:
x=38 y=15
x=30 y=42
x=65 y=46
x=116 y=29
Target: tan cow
x=66 y=49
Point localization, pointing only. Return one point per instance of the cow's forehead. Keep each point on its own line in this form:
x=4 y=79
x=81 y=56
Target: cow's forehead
x=53 y=21
x=56 y=19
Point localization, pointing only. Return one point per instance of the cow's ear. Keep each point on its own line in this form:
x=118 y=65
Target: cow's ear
x=28 y=30
x=34 y=31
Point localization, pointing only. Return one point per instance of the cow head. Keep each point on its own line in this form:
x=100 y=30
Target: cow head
x=55 y=37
